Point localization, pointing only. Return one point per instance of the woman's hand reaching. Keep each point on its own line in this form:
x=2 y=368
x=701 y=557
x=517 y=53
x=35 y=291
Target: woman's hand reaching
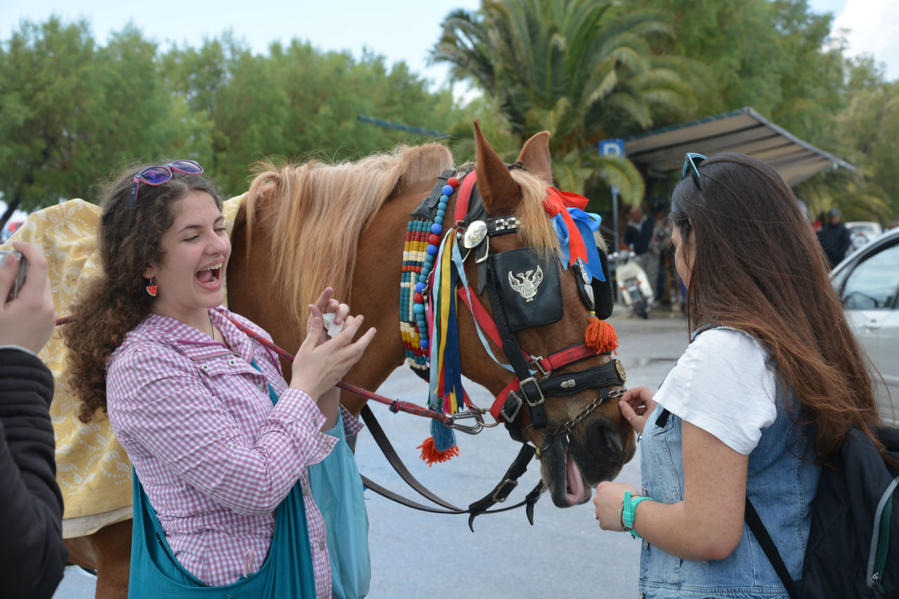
x=636 y=406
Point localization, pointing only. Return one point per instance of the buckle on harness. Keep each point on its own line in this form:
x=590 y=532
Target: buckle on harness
x=536 y=391
x=511 y=407
x=503 y=490
x=535 y=361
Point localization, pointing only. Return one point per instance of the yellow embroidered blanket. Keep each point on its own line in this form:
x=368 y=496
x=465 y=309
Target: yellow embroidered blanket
x=92 y=469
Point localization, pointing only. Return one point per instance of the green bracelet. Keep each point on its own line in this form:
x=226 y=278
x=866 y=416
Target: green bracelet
x=629 y=512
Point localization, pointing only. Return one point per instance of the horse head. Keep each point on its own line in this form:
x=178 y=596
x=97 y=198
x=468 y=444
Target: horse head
x=566 y=407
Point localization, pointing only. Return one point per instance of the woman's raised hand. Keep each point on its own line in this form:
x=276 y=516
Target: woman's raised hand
x=321 y=362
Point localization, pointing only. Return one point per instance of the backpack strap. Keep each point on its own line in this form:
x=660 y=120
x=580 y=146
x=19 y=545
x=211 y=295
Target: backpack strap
x=770 y=549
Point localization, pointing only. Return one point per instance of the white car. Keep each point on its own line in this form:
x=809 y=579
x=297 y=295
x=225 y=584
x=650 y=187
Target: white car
x=867 y=282
x=861 y=232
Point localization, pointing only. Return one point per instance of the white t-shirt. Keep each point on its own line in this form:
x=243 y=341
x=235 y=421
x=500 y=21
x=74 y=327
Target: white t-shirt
x=723 y=385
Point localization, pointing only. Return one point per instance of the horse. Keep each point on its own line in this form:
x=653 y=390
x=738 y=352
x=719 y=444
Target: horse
x=309 y=225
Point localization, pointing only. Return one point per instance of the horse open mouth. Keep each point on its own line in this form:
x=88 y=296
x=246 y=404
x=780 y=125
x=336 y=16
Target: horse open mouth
x=563 y=476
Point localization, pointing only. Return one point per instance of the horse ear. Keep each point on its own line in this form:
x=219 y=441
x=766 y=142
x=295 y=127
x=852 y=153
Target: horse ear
x=499 y=191
x=535 y=157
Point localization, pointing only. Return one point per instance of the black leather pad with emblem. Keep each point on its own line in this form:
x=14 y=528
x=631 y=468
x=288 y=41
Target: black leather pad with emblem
x=529 y=288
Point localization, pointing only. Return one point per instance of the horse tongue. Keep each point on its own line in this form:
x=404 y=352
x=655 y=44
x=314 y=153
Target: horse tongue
x=574 y=482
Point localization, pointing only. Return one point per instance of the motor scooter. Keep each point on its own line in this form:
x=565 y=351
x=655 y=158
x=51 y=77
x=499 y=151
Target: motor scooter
x=634 y=289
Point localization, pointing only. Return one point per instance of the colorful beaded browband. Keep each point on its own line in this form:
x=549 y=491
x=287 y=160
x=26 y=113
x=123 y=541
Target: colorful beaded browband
x=423 y=236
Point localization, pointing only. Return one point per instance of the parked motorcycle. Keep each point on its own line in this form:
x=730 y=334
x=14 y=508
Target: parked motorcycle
x=634 y=289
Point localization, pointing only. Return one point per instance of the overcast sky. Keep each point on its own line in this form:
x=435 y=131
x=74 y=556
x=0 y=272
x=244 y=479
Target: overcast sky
x=398 y=29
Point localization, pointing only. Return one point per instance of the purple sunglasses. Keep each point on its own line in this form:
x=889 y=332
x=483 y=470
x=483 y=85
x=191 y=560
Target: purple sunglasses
x=157 y=175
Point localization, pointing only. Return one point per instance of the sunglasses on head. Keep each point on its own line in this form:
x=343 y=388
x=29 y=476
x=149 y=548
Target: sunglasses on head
x=157 y=175
x=691 y=164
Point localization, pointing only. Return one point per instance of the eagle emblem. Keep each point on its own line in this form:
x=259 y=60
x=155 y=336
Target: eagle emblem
x=526 y=283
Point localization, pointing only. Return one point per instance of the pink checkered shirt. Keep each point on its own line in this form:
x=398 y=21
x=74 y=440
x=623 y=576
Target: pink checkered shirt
x=214 y=456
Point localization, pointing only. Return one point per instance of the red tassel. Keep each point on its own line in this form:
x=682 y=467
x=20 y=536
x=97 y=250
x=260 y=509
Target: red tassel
x=430 y=454
x=601 y=336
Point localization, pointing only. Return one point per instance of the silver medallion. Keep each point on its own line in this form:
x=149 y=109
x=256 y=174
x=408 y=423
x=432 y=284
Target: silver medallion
x=474 y=234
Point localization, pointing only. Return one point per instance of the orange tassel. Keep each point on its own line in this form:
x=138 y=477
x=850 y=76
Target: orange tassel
x=601 y=336
x=430 y=454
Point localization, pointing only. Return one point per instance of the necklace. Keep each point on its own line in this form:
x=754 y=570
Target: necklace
x=212 y=329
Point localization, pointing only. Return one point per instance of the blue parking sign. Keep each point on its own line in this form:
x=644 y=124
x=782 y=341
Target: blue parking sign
x=611 y=147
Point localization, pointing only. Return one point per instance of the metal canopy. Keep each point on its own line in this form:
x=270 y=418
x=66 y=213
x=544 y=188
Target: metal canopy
x=744 y=131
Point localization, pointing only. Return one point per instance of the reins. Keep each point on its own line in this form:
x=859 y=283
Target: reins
x=395 y=405
x=499 y=493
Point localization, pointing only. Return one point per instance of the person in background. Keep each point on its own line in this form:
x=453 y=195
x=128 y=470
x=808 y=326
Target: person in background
x=834 y=237
x=765 y=392
x=660 y=248
x=638 y=238
x=32 y=554
x=220 y=443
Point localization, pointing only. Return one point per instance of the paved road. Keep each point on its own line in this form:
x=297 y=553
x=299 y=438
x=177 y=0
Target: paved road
x=564 y=554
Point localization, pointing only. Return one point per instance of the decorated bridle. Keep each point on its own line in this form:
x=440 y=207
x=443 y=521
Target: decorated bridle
x=523 y=290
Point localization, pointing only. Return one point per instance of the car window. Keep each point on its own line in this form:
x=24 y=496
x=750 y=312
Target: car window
x=874 y=283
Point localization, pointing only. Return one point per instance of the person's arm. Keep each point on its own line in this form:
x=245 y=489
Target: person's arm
x=708 y=523
x=722 y=373
x=32 y=554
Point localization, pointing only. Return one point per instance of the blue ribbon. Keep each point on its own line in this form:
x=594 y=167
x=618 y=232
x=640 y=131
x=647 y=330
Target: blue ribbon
x=587 y=224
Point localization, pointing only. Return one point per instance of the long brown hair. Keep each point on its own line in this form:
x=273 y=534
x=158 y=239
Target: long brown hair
x=758 y=267
x=114 y=302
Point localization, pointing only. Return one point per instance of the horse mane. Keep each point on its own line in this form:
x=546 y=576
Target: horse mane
x=536 y=229
x=317 y=212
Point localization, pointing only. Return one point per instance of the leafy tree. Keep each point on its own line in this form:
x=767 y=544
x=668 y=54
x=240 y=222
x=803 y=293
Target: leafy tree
x=583 y=69
x=298 y=102
x=75 y=112
x=48 y=96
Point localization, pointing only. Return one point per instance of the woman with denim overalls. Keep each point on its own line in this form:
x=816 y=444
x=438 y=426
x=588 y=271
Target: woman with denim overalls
x=767 y=389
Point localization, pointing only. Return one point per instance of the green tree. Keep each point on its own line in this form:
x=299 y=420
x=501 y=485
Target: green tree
x=583 y=69
x=48 y=96
x=297 y=102
x=75 y=112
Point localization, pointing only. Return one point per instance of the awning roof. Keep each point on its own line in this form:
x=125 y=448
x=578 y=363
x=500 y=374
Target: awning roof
x=744 y=131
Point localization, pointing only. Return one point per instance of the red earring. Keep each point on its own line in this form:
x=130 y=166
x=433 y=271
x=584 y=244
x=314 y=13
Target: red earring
x=152 y=288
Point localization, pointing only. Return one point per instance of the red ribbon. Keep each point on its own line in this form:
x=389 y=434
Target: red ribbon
x=558 y=202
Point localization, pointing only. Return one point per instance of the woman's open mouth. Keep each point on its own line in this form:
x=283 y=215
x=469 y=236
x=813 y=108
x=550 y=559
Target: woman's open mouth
x=210 y=277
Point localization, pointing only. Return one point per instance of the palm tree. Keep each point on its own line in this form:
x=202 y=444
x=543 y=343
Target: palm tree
x=583 y=69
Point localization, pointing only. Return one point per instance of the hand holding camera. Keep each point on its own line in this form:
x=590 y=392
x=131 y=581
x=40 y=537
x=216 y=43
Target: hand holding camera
x=27 y=316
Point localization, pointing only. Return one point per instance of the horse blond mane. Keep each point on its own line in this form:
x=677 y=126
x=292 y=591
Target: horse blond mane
x=302 y=201
x=536 y=228
x=317 y=213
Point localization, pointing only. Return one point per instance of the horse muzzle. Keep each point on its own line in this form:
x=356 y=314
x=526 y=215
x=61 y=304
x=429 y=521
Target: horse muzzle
x=572 y=464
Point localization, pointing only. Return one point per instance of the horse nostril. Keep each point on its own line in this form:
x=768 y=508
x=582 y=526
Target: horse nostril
x=604 y=436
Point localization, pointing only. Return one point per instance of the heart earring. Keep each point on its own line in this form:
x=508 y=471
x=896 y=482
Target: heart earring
x=152 y=288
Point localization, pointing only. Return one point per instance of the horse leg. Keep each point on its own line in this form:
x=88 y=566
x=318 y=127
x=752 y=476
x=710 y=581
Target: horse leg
x=108 y=552
x=113 y=546
x=81 y=552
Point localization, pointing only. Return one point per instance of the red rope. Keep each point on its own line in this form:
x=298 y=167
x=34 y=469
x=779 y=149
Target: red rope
x=395 y=404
